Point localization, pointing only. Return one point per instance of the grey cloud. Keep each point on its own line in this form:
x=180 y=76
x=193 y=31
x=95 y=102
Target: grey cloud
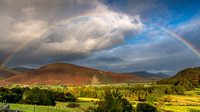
x=71 y=40
x=190 y=31
x=168 y=56
x=95 y=41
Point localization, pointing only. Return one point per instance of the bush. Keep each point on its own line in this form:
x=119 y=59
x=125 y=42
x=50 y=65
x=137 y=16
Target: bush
x=152 y=99
x=145 y=107
x=167 y=99
x=70 y=97
x=73 y=105
x=59 y=96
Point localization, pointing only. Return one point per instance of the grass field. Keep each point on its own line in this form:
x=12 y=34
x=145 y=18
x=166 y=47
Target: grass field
x=185 y=103
x=30 y=108
x=87 y=99
x=62 y=87
x=183 y=108
x=196 y=91
x=60 y=106
x=180 y=103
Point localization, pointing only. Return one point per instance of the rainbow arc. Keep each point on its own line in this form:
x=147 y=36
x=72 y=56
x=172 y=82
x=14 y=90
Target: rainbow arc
x=45 y=30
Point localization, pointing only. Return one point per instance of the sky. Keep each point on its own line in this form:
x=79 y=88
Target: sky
x=111 y=35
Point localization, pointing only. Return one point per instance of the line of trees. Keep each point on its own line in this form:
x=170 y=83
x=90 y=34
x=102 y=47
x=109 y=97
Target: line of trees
x=33 y=96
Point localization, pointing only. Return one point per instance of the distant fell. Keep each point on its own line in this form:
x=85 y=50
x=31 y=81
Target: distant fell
x=7 y=73
x=22 y=69
x=67 y=74
x=145 y=74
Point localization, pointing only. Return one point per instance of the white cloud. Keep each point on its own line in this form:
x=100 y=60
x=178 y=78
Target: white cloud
x=77 y=37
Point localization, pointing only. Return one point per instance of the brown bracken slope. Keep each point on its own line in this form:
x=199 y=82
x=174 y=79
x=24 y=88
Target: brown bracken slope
x=67 y=74
x=7 y=73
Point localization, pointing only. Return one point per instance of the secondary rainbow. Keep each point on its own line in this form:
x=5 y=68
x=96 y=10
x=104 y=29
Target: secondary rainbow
x=43 y=31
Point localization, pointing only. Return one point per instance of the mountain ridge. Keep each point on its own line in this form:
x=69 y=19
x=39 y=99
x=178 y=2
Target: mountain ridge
x=67 y=74
x=146 y=74
x=7 y=73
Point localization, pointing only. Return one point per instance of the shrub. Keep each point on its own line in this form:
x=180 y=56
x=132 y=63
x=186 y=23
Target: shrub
x=70 y=97
x=145 y=107
x=180 y=90
x=73 y=105
x=59 y=96
x=167 y=99
x=152 y=99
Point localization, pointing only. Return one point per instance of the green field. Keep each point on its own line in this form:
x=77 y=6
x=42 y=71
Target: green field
x=183 y=108
x=60 y=106
x=64 y=87
x=179 y=103
x=185 y=103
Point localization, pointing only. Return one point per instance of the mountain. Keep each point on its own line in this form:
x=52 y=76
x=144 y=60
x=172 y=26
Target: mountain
x=145 y=74
x=22 y=69
x=67 y=74
x=7 y=73
x=189 y=78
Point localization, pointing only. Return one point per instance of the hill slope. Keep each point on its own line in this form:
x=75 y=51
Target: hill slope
x=67 y=74
x=7 y=73
x=145 y=74
x=189 y=78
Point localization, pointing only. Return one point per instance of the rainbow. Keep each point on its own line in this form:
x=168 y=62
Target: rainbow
x=177 y=37
x=43 y=31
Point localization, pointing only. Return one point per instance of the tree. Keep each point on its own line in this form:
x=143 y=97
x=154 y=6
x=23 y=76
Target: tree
x=146 y=107
x=70 y=97
x=59 y=96
x=39 y=97
x=113 y=102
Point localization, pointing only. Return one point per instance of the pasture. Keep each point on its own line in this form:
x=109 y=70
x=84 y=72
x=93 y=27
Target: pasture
x=190 y=102
x=60 y=106
x=184 y=103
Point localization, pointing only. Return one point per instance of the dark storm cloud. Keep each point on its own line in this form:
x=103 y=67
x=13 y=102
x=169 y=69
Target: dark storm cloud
x=98 y=41
x=154 y=57
x=22 y=20
x=109 y=59
x=163 y=54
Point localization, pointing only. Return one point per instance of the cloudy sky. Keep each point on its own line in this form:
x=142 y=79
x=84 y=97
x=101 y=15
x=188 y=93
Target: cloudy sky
x=110 y=35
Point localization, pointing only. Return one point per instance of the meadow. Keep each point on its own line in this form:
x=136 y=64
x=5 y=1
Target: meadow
x=190 y=102
x=59 y=107
x=185 y=103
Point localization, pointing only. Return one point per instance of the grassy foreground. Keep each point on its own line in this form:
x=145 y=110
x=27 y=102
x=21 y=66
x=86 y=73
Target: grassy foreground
x=185 y=103
x=179 y=103
x=33 y=108
x=60 y=106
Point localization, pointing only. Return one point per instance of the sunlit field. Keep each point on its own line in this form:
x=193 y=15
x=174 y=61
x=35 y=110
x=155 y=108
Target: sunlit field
x=179 y=103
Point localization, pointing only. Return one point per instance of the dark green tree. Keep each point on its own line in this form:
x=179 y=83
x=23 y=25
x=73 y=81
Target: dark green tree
x=113 y=102
x=39 y=97
x=145 y=107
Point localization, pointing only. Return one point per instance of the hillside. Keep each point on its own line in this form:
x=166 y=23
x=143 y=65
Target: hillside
x=145 y=74
x=22 y=69
x=67 y=74
x=189 y=78
x=7 y=73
